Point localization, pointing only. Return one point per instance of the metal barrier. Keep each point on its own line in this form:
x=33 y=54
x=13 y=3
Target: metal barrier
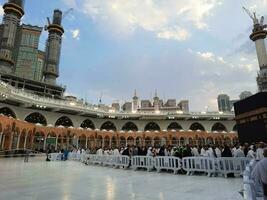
x=121 y=161
x=232 y=165
x=143 y=162
x=199 y=164
x=168 y=163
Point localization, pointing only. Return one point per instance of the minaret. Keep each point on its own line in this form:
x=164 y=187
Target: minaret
x=135 y=102
x=258 y=35
x=13 y=12
x=156 y=101
x=53 y=48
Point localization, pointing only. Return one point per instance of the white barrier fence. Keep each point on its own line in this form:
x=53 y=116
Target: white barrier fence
x=146 y=162
x=199 y=164
x=207 y=165
x=167 y=163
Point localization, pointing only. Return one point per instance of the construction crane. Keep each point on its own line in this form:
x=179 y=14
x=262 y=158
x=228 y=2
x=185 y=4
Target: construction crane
x=63 y=16
x=252 y=16
x=255 y=19
x=67 y=12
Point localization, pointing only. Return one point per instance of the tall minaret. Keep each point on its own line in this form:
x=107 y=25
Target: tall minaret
x=258 y=35
x=53 y=48
x=135 y=102
x=14 y=10
x=156 y=101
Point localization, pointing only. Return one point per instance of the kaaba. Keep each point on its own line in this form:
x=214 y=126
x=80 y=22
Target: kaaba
x=251 y=118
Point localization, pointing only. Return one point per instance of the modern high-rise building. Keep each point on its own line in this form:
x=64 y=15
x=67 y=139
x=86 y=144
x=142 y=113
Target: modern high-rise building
x=22 y=64
x=26 y=52
x=224 y=103
x=245 y=95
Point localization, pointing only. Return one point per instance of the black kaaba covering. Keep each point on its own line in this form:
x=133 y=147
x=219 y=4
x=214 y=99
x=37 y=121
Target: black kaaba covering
x=251 y=117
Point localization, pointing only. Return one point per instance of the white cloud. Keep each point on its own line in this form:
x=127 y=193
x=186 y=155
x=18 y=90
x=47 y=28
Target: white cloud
x=70 y=3
x=207 y=56
x=75 y=34
x=176 y=33
x=1 y=10
x=168 y=19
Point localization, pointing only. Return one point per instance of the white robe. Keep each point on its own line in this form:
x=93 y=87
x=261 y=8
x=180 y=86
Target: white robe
x=259 y=154
x=259 y=172
x=194 y=151
x=218 y=152
x=251 y=154
x=239 y=153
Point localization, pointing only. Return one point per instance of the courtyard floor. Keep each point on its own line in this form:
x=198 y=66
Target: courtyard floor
x=40 y=180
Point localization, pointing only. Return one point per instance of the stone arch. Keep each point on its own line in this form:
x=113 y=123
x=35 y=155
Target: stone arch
x=122 y=141
x=35 y=118
x=148 y=141
x=8 y=112
x=99 y=141
x=38 y=142
x=130 y=141
x=129 y=126
x=106 y=141
x=175 y=142
x=157 y=141
x=152 y=126
x=138 y=141
x=109 y=126
x=174 y=126
x=182 y=141
x=87 y=123
x=219 y=127
x=22 y=139
x=82 y=141
x=51 y=141
x=197 y=126
x=64 y=121
x=91 y=142
x=114 y=141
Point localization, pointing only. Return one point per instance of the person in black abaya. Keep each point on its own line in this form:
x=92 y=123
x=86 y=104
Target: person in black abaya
x=228 y=153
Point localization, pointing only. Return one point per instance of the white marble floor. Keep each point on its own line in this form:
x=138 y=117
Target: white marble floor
x=40 y=180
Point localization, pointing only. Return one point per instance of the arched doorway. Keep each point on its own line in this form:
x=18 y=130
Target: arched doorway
x=157 y=142
x=88 y=124
x=109 y=126
x=122 y=141
x=38 y=142
x=64 y=121
x=138 y=141
x=106 y=141
x=174 y=126
x=36 y=118
x=197 y=126
x=7 y=112
x=51 y=141
x=148 y=141
x=129 y=126
x=152 y=126
x=82 y=141
x=219 y=127
x=130 y=141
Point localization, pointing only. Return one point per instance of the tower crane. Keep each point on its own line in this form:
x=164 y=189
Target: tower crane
x=252 y=16
x=63 y=16
x=255 y=19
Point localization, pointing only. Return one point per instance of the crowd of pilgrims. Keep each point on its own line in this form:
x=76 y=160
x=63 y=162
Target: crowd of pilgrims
x=254 y=151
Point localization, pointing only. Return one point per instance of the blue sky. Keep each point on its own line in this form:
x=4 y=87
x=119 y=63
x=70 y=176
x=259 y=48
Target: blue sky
x=184 y=49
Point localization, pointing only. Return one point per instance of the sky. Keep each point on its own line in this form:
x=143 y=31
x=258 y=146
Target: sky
x=183 y=49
